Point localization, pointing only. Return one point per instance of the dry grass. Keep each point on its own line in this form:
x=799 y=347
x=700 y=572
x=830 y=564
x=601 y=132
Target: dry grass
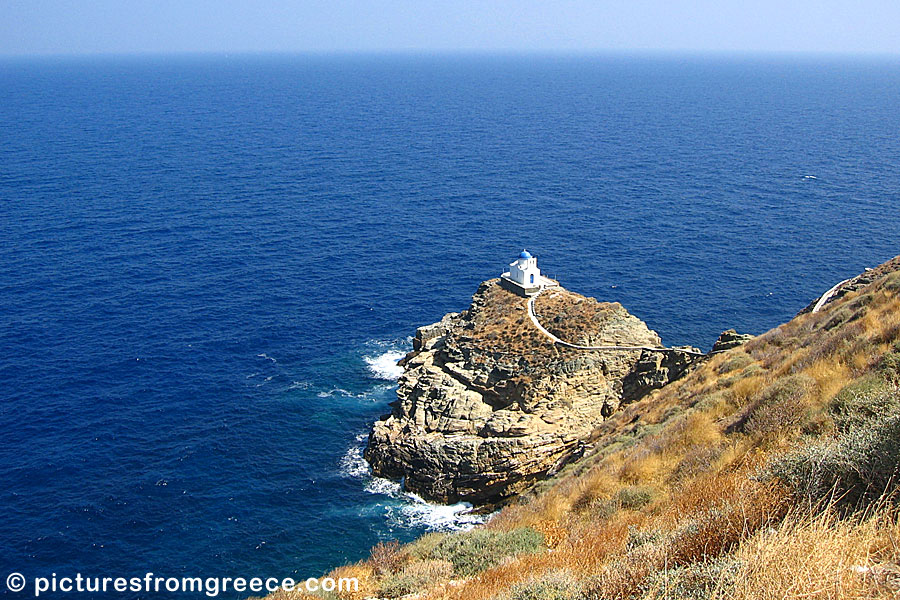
x=577 y=319
x=503 y=326
x=820 y=557
x=830 y=376
x=743 y=390
x=671 y=504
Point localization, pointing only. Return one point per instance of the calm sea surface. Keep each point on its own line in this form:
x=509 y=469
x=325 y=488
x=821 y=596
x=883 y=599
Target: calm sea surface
x=210 y=265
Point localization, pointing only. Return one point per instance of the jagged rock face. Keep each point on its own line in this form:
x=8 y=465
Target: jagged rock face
x=654 y=370
x=487 y=404
x=729 y=339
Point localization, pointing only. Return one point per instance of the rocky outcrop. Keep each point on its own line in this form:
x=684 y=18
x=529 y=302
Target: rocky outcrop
x=729 y=339
x=654 y=370
x=487 y=404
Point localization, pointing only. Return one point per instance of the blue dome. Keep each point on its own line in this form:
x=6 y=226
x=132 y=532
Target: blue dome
x=524 y=254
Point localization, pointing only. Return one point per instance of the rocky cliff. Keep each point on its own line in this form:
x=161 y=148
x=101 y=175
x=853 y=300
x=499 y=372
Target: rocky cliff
x=487 y=404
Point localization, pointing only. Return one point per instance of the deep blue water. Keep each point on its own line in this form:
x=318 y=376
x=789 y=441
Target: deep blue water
x=202 y=256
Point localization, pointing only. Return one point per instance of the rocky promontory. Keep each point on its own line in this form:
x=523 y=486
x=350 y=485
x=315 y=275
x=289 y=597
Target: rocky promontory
x=487 y=404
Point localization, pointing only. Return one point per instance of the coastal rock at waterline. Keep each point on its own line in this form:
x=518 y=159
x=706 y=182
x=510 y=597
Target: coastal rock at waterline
x=487 y=404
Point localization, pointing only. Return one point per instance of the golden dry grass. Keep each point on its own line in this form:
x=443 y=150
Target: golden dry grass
x=819 y=557
x=673 y=483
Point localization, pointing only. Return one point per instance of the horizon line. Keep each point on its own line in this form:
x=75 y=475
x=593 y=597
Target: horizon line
x=464 y=52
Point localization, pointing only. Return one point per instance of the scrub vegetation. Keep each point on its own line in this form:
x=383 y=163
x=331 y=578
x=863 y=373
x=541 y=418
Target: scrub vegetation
x=769 y=471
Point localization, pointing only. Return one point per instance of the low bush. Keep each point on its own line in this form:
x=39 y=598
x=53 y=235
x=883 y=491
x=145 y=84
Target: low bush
x=865 y=399
x=555 y=585
x=779 y=407
x=642 y=537
x=696 y=581
x=696 y=461
x=634 y=497
x=474 y=551
x=627 y=576
x=858 y=468
x=753 y=370
x=422 y=548
x=386 y=557
x=737 y=360
x=889 y=367
x=416 y=577
x=892 y=282
x=839 y=317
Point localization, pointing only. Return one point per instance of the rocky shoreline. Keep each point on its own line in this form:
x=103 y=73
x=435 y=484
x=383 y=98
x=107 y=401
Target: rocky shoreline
x=487 y=405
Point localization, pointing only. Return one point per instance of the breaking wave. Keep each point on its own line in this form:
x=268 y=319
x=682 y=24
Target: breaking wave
x=417 y=513
x=384 y=365
x=352 y=464
x=405 y=509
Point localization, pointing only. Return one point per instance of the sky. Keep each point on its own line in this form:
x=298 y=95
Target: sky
x=30 y=27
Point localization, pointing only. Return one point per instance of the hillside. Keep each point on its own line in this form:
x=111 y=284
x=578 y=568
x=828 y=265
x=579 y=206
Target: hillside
x=768 y=471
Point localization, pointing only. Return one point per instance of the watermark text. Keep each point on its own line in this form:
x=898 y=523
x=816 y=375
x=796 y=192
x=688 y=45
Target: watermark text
x=150 y=583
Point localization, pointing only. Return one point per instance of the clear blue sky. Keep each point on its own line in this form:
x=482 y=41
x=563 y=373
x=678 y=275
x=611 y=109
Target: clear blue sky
x=132 y=26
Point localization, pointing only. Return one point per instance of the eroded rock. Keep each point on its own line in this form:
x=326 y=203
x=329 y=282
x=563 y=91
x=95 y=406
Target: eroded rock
x=729 y=339
x=487 y=404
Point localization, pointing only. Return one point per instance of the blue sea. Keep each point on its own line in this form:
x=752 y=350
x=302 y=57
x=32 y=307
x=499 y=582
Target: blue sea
x=210 y=265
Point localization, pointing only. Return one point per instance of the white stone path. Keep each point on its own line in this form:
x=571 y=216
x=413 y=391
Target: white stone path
x=556 y=340
x=827 y=296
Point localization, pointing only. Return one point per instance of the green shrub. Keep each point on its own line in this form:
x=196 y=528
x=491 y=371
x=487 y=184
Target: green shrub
x=779 y=407
x=634 y=497
x=422 y=547
x=892 y=282
x=474 y=551
x=641 y=537
x=839 y=317
x=749 y=371
x=858 y=468
x=554 y=585
x=604 y=509
x=889 y=367
x=416 y=577
x=738 y=360
x=859 y=303
x=708 y=401
x=861 y=401
x=696 y=581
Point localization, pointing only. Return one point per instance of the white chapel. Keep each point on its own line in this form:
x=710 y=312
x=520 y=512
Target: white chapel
x=524 y=276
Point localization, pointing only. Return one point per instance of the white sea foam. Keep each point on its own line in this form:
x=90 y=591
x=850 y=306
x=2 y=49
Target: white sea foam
x=352 y=464
x=386 y=487
x=384 y=365
x=409 y=510
x=334 y=392
x=265 y=381
x=265 y=356
x=418 y=513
